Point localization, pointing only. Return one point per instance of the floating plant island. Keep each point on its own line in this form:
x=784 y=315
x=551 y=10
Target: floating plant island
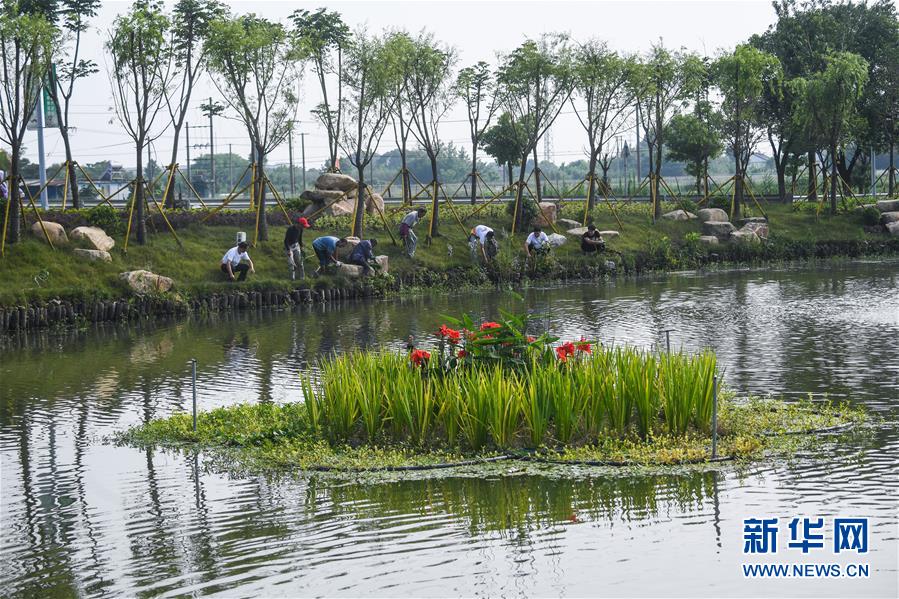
x=492 y=392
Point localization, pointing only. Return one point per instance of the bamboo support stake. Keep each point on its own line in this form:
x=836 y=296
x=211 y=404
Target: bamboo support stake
x=449 y=202
x=94 y=185
x=65 y=189
x=164 y=217
x=258 y=214
x=276 y=194
x=191 y=187
x=5 y=226
x=36 y=213
x=383 y=218
x=130 y=218
x=224 y=204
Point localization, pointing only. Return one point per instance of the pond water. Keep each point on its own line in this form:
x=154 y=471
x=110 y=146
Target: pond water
x=81 y=516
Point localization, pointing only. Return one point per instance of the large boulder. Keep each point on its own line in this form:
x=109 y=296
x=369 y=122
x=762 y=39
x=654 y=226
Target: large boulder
x=760 y=229
x=353 y=271
x=889 y=217
x=568 y=223
x=888 y=205
x=323 y=196
x=708 y=239
x=335 y=182
x=715 y=214
x=556 y=240
x=341 y=208
x=547 y=214
x=94 y=236
x=374 y=203
x=893 y=229
x=678 y=215
x=610 y=234
x=720 y=229
x=93 y=255
x=55 y=231
x=144 y=281
x=577 y=231
x=744 y=237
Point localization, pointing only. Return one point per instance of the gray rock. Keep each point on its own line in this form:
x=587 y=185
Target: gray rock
x=893 y=229
x=547 y=214
x=888 y=205
x=678 y=215
x=708 y=240
x=714 y=214
x=556 y=240
x=609 y=234
x=93 y=255
x=144 y=281
x=322 y=196
x=753 y=219
x=335 y=182
x=568 y=223
x=577 y=232
x=889 y=217
x=94 y=236
x=743 y=236
x=759 y=228
x=344 y=252
x=55 y=231
x=353 y=271
x=720 y=229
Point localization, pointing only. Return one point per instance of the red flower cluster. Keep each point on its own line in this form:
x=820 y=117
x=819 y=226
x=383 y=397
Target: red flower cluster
x=419 y=357
x=451 y=335
x=584 y=346
x=490 y=325
x=564 y=351
x=462 y=353
x=531 y=338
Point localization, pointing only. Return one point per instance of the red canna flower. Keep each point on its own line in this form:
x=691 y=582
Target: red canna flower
x=451 y=335
x=490 y=325
x=462 y=353
x=420 y=357
x=584 y=346
x=564 y=351
x=531 y=339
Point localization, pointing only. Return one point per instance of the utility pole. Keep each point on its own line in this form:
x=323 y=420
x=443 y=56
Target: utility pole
x=639 y=172
x=303 y=154
x=293 y=191
x=211 y=153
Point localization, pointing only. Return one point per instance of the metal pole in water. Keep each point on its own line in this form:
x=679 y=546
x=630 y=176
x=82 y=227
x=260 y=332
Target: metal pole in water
x=714 y=416
x=668 y=339
x=193 y=377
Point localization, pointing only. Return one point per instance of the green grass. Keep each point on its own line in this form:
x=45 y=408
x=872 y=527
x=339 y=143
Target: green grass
x=31 y=270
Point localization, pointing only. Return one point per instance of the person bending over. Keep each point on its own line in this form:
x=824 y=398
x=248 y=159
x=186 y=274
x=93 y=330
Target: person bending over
x=232 y=262
x=363 y=255
x=482 y=237
x=326 y=251
x=406 y=232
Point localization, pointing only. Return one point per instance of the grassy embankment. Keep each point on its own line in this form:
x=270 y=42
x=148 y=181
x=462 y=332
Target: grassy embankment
x=31 y=270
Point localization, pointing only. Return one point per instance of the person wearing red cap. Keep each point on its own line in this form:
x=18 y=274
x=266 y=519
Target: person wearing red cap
x=293 y=245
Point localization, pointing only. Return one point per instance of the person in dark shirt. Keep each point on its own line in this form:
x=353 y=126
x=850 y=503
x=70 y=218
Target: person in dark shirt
x=592 y=241
x=363 y=254
x=293 y=246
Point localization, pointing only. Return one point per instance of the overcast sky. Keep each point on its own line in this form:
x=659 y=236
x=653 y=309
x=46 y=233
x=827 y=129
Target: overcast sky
x=478 y=30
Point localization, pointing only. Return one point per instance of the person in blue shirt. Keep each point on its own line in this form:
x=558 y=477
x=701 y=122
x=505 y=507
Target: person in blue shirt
x=363 y=254
x=326 y=251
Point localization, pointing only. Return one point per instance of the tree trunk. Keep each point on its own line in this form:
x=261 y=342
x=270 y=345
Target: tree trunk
x=509 y=170
x=407 y=180
x=260 y=195
x=474 y=174
x=738 y=187
x=833 y=179
x=518 y=214
x=812 y=178
x=141 y=230
x=780 y=167
x=699 y=178
x=892 y=174
x=14 y=231
x=359 y=216
x=654 y=184
x=538 y=190
x=435 y=205
x=70 y=170
x=170 y=197
x=591 y=183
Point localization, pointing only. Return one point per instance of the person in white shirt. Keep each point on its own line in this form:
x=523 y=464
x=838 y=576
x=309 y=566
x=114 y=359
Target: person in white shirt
x=233 y=259
x=407 y=234
x=485 y=239
x=537 y=242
